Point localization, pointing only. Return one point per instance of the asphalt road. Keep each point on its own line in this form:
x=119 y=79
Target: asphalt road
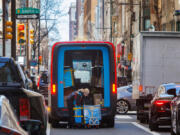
x=125 y=125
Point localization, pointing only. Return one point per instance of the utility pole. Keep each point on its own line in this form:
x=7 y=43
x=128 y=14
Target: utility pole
x=4 y=21
x=131 y=23
x=13 y=19
x=27 y=38
x=39 y=39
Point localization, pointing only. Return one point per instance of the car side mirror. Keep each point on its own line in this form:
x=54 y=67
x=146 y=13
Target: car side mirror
x=172 y=92
x=31 y=126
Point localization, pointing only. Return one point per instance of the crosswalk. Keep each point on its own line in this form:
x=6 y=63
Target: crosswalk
x=123 y=117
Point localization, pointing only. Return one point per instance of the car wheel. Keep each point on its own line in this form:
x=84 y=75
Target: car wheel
x=153 y=126
x=122 y=107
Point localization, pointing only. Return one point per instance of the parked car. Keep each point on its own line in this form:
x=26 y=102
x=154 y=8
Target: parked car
x=125 y=102
x=175 y=110
x=8 y=119
x=27 y=104
x=42 y=85
x=160 y=113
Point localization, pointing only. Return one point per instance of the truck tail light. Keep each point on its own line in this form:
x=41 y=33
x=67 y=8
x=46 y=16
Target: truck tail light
x=114 y=89
x=53 y=89
x=24 y=109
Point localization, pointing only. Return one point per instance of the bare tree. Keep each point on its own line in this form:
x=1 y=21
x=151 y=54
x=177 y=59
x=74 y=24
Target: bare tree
x=50 y=12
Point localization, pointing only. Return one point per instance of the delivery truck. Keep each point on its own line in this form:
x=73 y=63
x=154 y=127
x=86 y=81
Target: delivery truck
x=156 y=60
x=83 y=64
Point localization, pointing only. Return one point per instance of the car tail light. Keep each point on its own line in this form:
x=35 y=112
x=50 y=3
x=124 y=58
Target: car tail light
x=114 y=90
x=38 y=82
x=24 y=109
x=53 y=89
x=161 y=102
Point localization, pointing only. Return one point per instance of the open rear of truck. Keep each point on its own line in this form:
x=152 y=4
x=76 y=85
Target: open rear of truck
x=76 y=65
x=155 y=61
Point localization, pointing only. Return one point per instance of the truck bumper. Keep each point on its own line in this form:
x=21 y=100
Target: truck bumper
x=63 y=114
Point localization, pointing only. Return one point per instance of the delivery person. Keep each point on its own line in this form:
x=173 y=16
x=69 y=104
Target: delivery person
x=76 y=98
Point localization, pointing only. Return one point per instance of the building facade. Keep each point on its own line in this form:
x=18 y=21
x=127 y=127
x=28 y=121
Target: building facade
x=119 y=21
x=80 y=18
x=72 y=22
x=90 y=19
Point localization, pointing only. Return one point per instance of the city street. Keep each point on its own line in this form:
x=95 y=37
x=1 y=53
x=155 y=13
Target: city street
x=125 y=125
x=84 y=61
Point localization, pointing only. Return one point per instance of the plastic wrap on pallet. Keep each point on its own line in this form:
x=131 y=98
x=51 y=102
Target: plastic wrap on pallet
x=78 y=115
x=92 y=114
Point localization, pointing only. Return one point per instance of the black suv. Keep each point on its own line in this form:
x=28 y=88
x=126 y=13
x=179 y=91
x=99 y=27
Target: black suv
x=159 y=113
x=28 y=105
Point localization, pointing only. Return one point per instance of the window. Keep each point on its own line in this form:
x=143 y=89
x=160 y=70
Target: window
x=147 y=12
x=147 y=24
x=172 y=25
x=7 y=74
x=164 y=27
x=178 y=26
x=146 y=2
x=82 y=70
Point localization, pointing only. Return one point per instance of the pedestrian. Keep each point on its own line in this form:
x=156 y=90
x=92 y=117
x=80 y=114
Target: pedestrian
x=76 y=98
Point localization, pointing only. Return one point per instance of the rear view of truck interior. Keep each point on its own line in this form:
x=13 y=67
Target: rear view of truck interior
x=84 y=69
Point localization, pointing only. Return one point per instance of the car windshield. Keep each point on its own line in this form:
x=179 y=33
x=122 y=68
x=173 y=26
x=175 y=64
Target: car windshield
x=7 y=75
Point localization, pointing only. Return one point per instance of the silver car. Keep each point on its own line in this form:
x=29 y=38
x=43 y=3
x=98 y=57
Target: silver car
x=8 y=121
x=125 y=102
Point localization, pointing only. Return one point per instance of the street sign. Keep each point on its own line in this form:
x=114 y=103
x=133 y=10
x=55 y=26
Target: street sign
x=177 y=12
x=20 y=60
x=27 y=11
x=32 y=16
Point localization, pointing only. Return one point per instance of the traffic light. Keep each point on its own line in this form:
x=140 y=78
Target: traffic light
x=31 y=37
x=8 y=30
x=20 y=34
x=40 y=60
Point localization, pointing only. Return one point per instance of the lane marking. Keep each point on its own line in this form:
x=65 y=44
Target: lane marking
x=121 y=122
x=145 y=129
x=123 y=117
x=48 y=129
